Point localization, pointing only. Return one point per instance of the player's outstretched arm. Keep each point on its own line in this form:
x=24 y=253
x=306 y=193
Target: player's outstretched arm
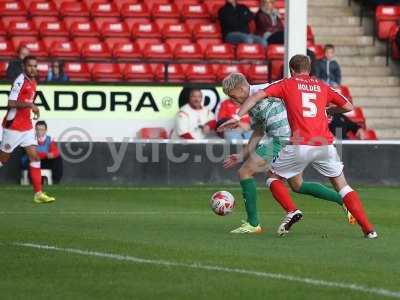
x=251 y=101
x=244 y=109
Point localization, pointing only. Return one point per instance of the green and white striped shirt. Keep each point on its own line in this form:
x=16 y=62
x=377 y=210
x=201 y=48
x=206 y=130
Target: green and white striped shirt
x=271 y=117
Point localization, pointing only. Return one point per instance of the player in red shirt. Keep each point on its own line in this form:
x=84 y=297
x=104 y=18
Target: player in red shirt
x=306 y=100
x=17 y=125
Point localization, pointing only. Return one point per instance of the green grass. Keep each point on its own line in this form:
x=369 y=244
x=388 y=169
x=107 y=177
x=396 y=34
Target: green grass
x=176 y=225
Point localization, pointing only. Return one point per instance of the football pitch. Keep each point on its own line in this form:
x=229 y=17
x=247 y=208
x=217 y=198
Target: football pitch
x=165 y=243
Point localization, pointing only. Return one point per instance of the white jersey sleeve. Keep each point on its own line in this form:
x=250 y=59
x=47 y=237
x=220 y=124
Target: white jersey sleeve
x=16 y=88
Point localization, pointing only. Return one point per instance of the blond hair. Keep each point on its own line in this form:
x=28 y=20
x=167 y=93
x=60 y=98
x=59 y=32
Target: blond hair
x=233 y=81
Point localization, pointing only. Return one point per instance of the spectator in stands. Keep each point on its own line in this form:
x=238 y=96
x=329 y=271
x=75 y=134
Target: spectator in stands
x=227 y=109
x=344 y=128
x=234 y=19
x=48 y=152
x=194 y=121
x=56 y=72
x=328 y=69
x=269 y=25
x=15 y=66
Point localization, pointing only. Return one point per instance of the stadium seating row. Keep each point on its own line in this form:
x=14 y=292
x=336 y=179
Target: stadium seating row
x=130 y=8
x=149 y=72
x=120 y=48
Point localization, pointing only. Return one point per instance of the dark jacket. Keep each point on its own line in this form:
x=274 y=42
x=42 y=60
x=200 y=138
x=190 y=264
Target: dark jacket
x=328 y=71
x=233 y=19
x=268 y=22
x=14 y=69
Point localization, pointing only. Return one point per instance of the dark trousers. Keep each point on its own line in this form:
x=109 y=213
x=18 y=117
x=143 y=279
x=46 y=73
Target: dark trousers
x=55 y=165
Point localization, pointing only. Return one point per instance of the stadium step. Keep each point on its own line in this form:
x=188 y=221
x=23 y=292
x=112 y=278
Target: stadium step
x=338 y=21
x=361 y=60
x=363 y=40
x=357 y=70
x=375 y=91
x=382 y=113
x=371 y=80
x=378 y=49
x=372 y=102
x=383 y=123
x=332 y=11
x=345 y=30
x=388 y=134
x=330 y=3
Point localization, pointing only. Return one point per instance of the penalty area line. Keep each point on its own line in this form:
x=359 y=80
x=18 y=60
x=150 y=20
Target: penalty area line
x=199 y=266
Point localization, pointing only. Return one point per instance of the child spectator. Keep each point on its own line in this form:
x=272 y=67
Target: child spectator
x=328 y=69
x=56 y=72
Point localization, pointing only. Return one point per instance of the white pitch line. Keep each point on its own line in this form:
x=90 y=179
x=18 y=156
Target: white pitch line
x=199 y=266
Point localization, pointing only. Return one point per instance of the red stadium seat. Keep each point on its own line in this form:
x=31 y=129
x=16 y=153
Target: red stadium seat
x=104 y=10
x=191 y=23
x=3 y=31
x=48 y=41
x=3 y=67
x=181 y=3
x=77 y=71
x=246 y=51
x=53 y=29
x=220 y=52
x=111 y=42
x=120 y=3
x=224 y=70
x=43 y=8
x=73 y=9
x=113 y=29
x=357 y=116
x=80 y=41
x=13 y=8
x=95 y=51
x=138 y=73
x=68 y=21
x=200 y=73
x=176 y=31
x=151 y=3
x=136 y=10
x=43 y=69
x=153 y=133
x=84 y=29
x=258 y=74
x=275 y=54
x=7 y=49
x=64 y=50
x=89 y=3
x=142 y=42
x=157 y=51
x=36 y=48
x=162 y=22
x=206 y=31
x=169 y=10
x=126 y=51
x=18 y=40
x=175 y=73
x=188 y=51
x=205 y=43
x=38 y=20
x=318 y=51
x=385 y=17
x=100 y=21
x=193 y=11
x=214 y=6
x=174 y=42
x=369 y=134
x=146 y=30
x=106 y=72
x=17 y=28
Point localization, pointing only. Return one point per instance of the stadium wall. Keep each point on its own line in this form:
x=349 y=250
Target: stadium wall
x=172 y=163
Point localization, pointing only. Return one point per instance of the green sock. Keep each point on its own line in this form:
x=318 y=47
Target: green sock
x=250 y=200
x=320 y=191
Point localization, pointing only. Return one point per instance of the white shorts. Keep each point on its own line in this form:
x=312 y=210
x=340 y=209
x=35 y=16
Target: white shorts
x=13 y=138
x=293 y=159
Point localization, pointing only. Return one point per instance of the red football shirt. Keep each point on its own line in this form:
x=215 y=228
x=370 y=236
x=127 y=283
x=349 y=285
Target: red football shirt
x=306 y=99
x=23 y=90
x=228 y=108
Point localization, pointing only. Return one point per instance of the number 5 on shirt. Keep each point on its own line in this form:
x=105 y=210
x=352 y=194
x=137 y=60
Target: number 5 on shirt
x=309 y=107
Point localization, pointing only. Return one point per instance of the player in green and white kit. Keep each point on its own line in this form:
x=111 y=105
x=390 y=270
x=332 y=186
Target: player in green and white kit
x=271 y=132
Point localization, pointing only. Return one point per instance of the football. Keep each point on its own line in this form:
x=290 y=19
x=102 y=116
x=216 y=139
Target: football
x=222 y=203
